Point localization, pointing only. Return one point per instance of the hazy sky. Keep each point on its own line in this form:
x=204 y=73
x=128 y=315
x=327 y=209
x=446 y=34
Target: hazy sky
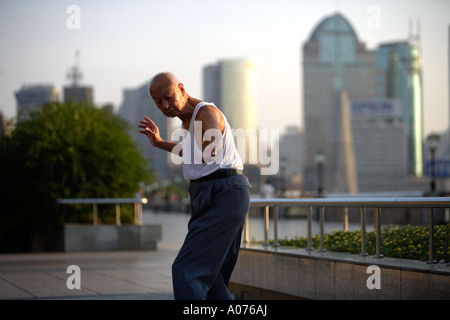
x=124 y=43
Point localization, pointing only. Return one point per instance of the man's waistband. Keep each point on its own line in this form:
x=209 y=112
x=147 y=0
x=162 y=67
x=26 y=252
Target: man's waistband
x=219 y=174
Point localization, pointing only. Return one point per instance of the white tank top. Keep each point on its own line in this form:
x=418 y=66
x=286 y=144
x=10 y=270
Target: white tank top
x=226 y=158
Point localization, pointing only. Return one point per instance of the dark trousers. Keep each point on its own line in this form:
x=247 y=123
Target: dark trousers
x=209 y=253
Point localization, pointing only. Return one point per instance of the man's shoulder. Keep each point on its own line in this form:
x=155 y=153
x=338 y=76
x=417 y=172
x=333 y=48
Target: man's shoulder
x=208 y=110
x=209 y=113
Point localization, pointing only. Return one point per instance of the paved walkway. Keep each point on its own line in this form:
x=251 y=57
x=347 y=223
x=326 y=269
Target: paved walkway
x=109 y=275
x=104 y=275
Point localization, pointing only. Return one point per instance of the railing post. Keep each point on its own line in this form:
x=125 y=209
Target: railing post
x=95 y=214
x=140 y=213
x=275 y=227
x=363 y=232
x=322 y=216
x=345 y=218
x=430 y=237
x=308 y=220
x=378 y=232
x=118 y=223
x=246 y=229
x=266 y=226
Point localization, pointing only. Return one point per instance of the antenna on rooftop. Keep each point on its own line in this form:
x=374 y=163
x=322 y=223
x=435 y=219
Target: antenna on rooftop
x=414 y=35
x=74 y=73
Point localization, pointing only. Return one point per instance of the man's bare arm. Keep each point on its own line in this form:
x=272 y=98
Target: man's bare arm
x=151 y=130
x=213 y=126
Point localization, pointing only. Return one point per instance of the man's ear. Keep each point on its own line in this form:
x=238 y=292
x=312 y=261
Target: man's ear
x=181 y=88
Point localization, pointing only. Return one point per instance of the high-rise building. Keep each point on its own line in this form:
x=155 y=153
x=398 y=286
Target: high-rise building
x=135 y=105
x=231 y=85
x=335 y=65
x=398 y=76
x=31 y=97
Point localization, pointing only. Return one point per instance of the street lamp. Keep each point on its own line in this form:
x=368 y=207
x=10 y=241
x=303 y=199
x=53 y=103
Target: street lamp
x=432 y=144
x=320 y=160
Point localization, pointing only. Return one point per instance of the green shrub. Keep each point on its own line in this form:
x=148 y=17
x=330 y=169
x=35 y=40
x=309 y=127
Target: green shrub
x=64 y=151
x=410 y=242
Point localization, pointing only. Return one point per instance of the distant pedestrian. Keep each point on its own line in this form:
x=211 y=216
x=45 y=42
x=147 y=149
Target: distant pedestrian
x=267 y=190
x=219 y=192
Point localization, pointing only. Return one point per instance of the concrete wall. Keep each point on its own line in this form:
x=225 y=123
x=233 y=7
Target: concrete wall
x=272 y=274
x=81 y=237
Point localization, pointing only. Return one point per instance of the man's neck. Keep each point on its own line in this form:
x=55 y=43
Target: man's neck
x=188 y=110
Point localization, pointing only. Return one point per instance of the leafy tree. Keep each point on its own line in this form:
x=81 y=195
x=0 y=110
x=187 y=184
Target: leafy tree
x=62 y=151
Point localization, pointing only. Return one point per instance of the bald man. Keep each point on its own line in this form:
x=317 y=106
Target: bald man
x=219 y=192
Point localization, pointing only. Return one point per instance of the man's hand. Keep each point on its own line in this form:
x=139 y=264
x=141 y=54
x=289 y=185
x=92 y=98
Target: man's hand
x=150 y=130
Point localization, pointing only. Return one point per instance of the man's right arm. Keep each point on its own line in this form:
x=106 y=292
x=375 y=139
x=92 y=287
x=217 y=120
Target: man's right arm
x=151 y=130
x=168 y=146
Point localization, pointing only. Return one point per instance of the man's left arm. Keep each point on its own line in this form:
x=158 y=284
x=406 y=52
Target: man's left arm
x=213 y=126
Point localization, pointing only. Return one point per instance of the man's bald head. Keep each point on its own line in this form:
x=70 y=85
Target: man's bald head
x=162 y=80
x=168 y=93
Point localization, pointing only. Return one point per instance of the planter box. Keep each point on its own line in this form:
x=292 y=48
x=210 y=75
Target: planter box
x=81 y=237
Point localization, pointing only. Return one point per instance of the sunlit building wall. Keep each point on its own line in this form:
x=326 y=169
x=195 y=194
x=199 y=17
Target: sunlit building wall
x=231 y=85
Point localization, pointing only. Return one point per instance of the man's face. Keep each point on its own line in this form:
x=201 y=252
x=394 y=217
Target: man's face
x=168 y=97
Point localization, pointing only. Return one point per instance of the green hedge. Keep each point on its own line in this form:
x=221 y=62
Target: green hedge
x=410 y=242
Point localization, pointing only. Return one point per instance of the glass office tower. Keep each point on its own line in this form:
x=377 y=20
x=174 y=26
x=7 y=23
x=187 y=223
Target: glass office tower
x=398 y=76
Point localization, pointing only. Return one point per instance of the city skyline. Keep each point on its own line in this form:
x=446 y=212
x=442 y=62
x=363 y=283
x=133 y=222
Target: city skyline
x=123 y=44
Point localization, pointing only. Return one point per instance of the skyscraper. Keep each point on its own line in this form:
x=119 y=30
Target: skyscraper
x=31 y=97
x=335 y=64
x=398 y=76
x=231 y=85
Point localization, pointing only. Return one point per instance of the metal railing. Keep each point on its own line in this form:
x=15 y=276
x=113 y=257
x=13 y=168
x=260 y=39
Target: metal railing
x=117 y=201
x=377 y=203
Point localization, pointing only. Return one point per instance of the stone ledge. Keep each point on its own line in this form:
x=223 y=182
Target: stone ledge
x=334 y=275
